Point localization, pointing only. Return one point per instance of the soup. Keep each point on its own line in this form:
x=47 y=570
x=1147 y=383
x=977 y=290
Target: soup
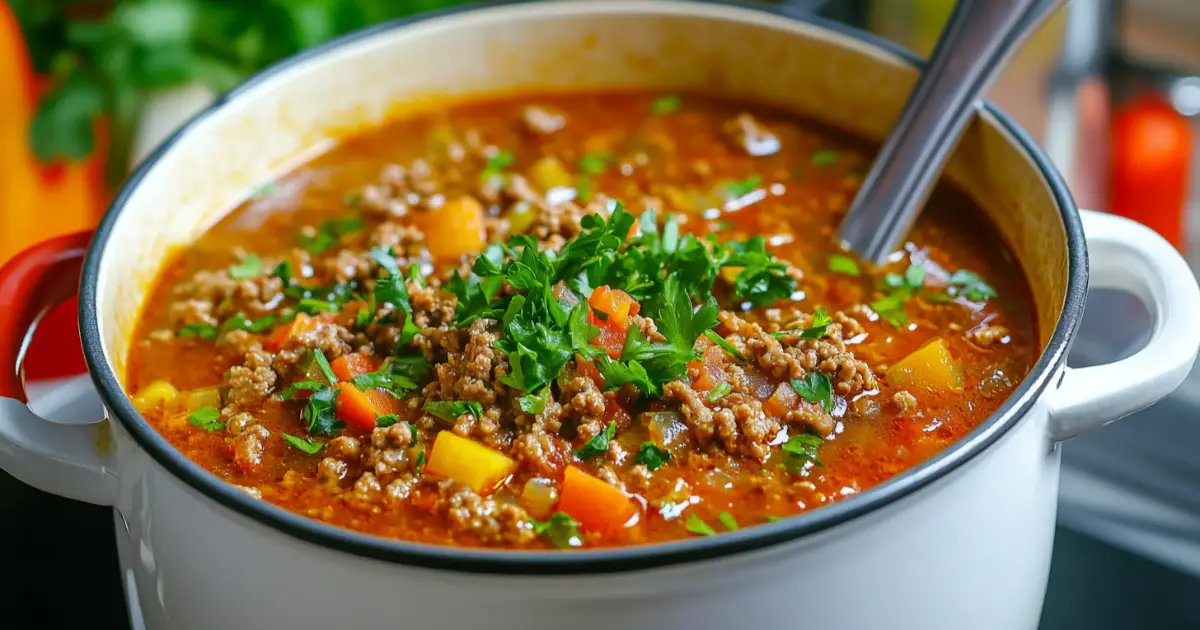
x=587 y=320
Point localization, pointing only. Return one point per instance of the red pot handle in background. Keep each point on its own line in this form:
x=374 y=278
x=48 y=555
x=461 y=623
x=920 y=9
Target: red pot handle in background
x=31 y=285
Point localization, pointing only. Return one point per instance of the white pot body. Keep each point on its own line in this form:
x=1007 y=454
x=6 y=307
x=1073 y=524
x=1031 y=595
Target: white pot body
x=962 y=541
x=969 y=551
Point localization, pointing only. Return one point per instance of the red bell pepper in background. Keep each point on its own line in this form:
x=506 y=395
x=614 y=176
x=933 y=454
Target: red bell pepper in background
x=38 y=201
x=1149 y=161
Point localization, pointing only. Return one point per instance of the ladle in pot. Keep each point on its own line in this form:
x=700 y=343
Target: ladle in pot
x=977 y=40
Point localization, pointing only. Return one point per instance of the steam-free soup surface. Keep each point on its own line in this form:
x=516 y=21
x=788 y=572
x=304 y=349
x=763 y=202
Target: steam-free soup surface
x=668 y=346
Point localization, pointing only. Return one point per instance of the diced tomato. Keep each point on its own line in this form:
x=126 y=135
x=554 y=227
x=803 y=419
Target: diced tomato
x=588 y=369
x=615 y=410
x=612 y=340
x=709 y=371
x=348 y=366
x=616 y=304
x=781 y=401
x=301 y=324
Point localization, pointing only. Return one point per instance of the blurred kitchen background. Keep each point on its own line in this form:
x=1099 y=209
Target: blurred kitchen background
x=1111 y=88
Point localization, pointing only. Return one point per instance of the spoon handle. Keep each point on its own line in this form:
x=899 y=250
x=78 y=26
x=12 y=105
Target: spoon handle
x=977 y=39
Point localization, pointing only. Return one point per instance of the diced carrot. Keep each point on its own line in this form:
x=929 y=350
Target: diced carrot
x=595 y=504
x=468 y=462
x=384 y=402
x=612 y=339
x=616 y=304
x=709 y=371
x=588 y=369
x=355 y=408
x=781 y=401
x=453 y=230
x=348 y=366
x=301 y=324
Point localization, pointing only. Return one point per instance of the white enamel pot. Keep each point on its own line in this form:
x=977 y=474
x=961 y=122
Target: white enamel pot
x=962 y=541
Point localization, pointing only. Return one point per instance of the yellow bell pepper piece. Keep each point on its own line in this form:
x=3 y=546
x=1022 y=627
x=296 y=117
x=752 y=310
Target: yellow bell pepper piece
x=469 y=463
x=156 y=396
x=929 y=366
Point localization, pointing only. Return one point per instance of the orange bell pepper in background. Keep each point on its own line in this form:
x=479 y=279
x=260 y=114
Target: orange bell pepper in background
x=1149 y=159
x=38 y=201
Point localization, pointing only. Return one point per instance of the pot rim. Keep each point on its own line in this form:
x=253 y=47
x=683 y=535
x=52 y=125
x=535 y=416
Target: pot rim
x=608 y=560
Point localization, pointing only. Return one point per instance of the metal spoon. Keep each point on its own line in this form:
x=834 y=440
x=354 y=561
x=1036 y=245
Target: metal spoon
x=977 y=40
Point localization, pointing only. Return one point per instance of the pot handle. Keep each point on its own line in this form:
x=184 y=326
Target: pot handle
x=70 y=460
x=1127 y=255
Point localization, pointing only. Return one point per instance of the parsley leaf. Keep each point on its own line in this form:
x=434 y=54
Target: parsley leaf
x=249 y=267
x=207 y=418
x=535 y=403
x=452 y=411
x=320 y=413
x=969 y=285
x=719 y=391
x=736 y=190
x=496 y=163
x=839 y=263
x=311 y=447
x=419 y=464
x=696 y=525
x=728 y=521
x=903 y=287
x=825 y=157
x=598 y=445
x=203 y=331
x=815 y=388
x=651 y=456
x=323 y=363
x=725 y=345
x=595 y=163
x=801 y=449
x=329 y=232
x=665 y=104
x=561 y=530
x=819 y=326
x=385 y=378
x=386 y=420
x=239 y=322
x=414 y=366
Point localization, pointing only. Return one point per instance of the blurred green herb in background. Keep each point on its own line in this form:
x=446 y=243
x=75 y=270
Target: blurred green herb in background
x=104 y=58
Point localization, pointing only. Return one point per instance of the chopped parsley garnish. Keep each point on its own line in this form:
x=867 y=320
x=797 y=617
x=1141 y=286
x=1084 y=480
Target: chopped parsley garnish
x=386 y=378
x=414 y=367
x=968 y=284
x=801 y=449
x=535 y=403
x=696 y=525
x=598 y=445
x=595 y=163
x=311 y=447
x=739 y=189
x=391 y=289
x=724 y=344
x=386 y=421
x=719 y=391
x=819 y=325
x=815 y=388
x=662 y=271
x=901 y=287
x=239 y=322
x=844 y=265
x=329 y=232
x=419 y=464
x=825 y=157
x=452 y=411
x=323 y=363
x=651 y=456
x=206 y=418
x=496 y=163
x=203 y=331
x=561 y=530
x=250 y=266
x=728 y=521
x=666 y=104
